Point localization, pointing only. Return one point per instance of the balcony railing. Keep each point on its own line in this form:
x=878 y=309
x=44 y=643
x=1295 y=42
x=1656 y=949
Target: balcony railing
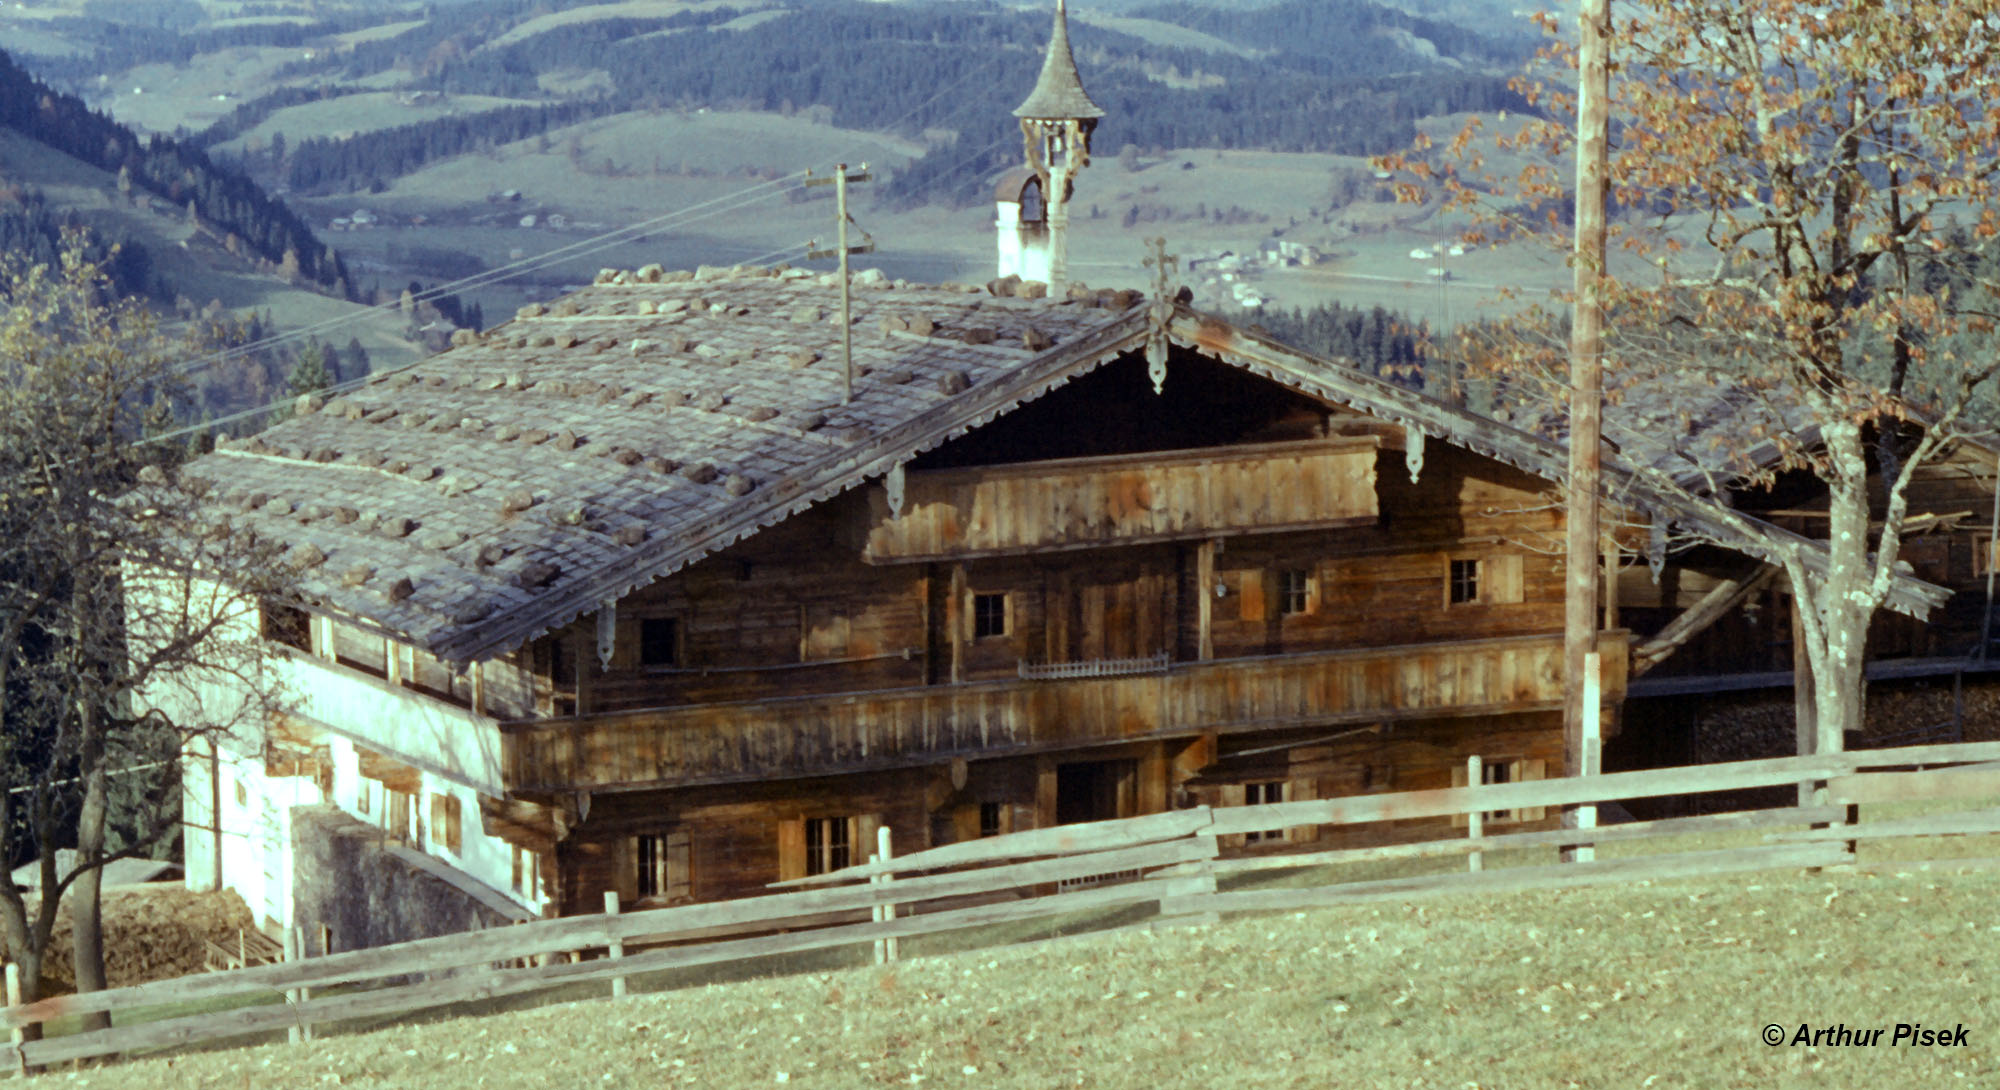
x=852 y=732
x=418 y=730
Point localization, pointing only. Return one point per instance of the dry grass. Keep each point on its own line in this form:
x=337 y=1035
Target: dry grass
x=1651 y=985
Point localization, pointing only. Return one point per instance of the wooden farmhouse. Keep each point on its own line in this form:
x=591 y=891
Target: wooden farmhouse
x=649 y=591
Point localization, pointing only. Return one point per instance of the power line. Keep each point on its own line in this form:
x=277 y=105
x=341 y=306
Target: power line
x=741 y=198
x=580 y=248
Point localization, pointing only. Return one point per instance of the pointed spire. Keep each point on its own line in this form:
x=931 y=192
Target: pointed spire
x=1059 y=93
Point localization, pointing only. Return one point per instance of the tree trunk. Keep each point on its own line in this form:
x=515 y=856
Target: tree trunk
x=1839 y=634
x=85 y=907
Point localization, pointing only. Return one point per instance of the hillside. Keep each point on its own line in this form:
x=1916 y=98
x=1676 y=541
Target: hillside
x=1664 y=985
x=184 y=264
x=1242 y=119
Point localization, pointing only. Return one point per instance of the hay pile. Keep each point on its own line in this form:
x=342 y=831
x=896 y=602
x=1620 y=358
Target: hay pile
x=151 y=932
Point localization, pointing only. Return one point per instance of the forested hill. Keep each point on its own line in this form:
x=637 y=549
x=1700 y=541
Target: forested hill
x=1345 y=76
x=222 y=199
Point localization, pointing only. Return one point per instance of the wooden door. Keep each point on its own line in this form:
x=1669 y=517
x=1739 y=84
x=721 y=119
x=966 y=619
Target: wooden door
x=1120 y=617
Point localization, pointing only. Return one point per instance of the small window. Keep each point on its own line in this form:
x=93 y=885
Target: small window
x=659 y=641
x=1260 y=794
x=288 y=625
x=650 y=854
x=1464 y=578
x=828 y=847
x=1294 y=591
x=989 y=819
x=989 y=615
x=444 y=822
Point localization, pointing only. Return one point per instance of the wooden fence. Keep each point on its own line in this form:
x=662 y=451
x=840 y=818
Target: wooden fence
x=1041 y=873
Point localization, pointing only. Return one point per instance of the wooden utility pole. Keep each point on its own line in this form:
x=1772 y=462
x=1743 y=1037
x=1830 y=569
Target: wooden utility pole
x=839 y=182
x=1586 y=360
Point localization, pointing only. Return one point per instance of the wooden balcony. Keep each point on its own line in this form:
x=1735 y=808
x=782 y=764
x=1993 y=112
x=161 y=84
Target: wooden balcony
x=852 y=732
x=1083 y=502
x=417 y=730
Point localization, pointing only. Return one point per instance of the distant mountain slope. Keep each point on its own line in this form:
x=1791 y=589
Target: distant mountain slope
x=1343 y=76
x=229 y=203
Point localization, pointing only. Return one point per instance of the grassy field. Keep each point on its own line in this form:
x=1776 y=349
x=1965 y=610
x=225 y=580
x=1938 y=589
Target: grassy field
x=1649 y=985
x=351 y=114
x=615 y=9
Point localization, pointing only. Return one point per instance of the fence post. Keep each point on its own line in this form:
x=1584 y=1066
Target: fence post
x=20 y=1032
x=1475 y=818
x=296 y=1031
x=1196 y=884
x=885 y=949
x=1593 y=747
x=305 y=994
x=617 y=945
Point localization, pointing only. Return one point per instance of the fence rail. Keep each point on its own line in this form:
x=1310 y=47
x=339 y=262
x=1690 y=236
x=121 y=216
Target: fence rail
x=1173 y=858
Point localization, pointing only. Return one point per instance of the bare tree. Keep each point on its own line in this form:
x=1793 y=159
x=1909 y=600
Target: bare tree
x=1788 y=175
x=120 y=605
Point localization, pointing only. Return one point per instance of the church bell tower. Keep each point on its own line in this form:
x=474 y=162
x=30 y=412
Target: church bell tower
x=1032 y=204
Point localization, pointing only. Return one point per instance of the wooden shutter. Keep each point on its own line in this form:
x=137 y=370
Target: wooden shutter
x=1530 y=769
x=1501 y=576
x=1250 y=597
x=862 y=831
x=1458 y=779
x=445 y=822
x=823 y=633
x=791 y=849
x=965 y=822
x=1301 y=790
x=625 y=869
x=679 y=883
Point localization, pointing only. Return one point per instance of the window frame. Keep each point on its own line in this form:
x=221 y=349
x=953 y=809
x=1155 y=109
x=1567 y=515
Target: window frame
x=1260 y=793
x=1295 y=589
x=995 y=606
x=1463 y=582
x=646 y=644
x=827 y=852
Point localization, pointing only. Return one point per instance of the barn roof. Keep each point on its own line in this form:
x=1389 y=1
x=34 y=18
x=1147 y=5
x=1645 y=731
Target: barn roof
x=506 y=487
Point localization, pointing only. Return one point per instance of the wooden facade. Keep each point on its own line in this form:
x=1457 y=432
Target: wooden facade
x=1014 y=644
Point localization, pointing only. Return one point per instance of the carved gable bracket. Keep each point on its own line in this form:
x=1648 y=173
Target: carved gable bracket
x=894 y=484
x=607 y=632
x=1159 y=314
x=1656 y=547
x=1413 y=451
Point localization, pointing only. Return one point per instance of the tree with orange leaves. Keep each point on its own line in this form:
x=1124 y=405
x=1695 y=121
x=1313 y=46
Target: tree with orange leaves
x=1792 y=184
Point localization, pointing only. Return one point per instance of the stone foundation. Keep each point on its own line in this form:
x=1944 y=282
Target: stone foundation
x=371 y=891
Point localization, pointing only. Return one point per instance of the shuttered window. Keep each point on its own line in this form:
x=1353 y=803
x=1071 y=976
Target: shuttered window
x=445 y=823
x=821 y=845
x=661 y=865
x=1505 y=771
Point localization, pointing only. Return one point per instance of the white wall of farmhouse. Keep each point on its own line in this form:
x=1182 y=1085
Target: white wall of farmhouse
x=449 y=756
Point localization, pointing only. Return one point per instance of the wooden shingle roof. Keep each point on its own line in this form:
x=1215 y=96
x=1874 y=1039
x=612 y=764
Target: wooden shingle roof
x=506 y=487
x=511 y=484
